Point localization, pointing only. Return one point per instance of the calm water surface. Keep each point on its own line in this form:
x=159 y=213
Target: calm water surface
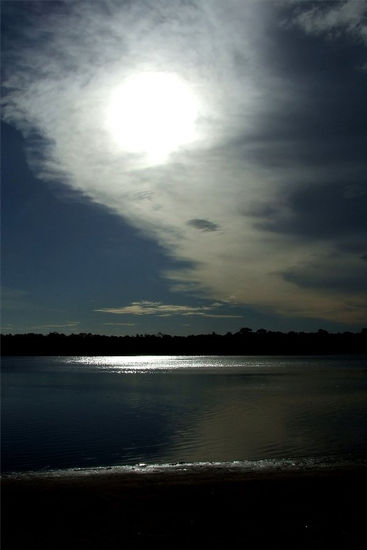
x=86 y=412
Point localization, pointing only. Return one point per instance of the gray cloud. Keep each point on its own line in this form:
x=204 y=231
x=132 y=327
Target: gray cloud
x=330 y=275
x=64 y=325
x=203 y=225
x=332 y=211
x=334 y=18
x=120 y=324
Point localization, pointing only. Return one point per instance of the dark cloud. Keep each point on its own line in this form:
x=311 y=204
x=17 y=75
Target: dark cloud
x=203 y=225
x=339 y=277
x=331 y=211
x=317 y=111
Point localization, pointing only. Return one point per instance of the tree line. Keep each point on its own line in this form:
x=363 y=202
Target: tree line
x=244 y=342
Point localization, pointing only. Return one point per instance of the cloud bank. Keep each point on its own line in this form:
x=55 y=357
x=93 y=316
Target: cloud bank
x=266 y=206
x=146 y=307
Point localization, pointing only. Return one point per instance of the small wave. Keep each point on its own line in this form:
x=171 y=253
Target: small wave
x=254 y=466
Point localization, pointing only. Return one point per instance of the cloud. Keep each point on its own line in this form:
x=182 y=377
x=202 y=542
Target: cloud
x=7 y=326
x=331 y=275
x=64 y=325
x=203 y=225
x=165 y=310
x=14 y=299
x=334 y=18
x=120 y=324
x=313 y=212
x=280 y=139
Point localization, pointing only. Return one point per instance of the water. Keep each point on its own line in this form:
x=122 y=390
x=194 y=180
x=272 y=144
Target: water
x=95 y=412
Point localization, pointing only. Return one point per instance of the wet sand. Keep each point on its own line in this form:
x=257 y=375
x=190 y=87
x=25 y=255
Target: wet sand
x=213 y=509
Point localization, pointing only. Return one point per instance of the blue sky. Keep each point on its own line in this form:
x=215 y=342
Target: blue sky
x=184 y=167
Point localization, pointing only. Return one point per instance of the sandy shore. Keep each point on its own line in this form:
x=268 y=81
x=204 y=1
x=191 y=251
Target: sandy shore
x=215 y=509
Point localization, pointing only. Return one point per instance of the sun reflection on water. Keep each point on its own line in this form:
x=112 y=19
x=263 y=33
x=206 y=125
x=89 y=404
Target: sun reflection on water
x=152 y=363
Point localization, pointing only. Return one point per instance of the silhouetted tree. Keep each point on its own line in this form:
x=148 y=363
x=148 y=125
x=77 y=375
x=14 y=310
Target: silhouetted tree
x=245 y=341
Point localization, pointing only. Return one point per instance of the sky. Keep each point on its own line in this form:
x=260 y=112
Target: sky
x=183 y=166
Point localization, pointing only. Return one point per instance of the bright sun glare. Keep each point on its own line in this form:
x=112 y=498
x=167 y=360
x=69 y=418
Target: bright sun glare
x=153 y=113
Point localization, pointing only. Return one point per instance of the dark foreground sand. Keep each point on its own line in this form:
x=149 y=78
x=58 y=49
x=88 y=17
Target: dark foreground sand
x=212 y=509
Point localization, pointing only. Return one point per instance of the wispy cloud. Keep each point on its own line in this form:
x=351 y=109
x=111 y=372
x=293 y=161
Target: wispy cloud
x=61 y=325
x=7 y=326
x=165 y=310
x=120 y=324
x=333 y=18
x=14 y=299
x=226 y=205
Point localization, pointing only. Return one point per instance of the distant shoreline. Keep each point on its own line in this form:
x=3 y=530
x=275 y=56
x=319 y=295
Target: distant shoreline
x=313 y=509
x=244 y=342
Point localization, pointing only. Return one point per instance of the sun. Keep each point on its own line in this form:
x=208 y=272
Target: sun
x=154 y=114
